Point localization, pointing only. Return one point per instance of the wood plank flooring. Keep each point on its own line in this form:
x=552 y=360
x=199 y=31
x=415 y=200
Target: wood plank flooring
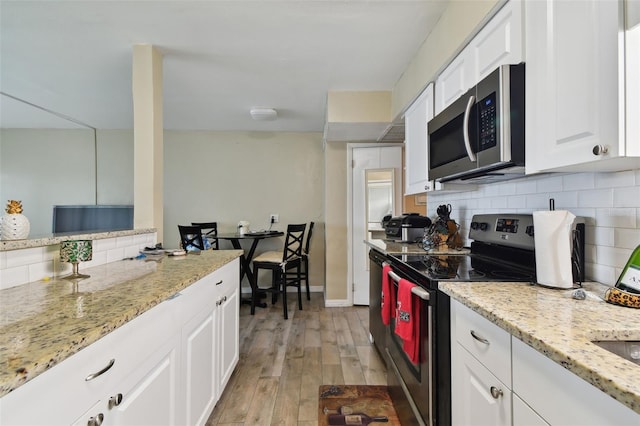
x=283 y=363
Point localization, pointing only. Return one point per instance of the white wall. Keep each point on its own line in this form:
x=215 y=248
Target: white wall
x=610 y=202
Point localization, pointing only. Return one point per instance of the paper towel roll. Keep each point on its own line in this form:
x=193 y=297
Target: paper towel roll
x=553 y=247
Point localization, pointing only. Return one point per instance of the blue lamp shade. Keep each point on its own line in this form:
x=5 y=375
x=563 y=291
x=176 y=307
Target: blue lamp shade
x=74 y=252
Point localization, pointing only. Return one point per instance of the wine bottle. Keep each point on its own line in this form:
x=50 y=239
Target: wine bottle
x=354 y=419
x=629 y=279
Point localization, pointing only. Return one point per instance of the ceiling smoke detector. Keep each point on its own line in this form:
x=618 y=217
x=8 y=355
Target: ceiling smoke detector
x=264 y=114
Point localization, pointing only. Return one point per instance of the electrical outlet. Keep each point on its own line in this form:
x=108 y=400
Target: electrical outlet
x=274 y=218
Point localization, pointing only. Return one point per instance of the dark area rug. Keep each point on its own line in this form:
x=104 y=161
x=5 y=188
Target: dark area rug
x=347 y=404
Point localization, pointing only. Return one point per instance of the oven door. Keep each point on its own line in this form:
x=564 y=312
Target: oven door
x=411 y=384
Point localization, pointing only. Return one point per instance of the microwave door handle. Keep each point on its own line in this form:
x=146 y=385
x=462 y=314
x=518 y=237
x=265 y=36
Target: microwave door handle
x=465 y=128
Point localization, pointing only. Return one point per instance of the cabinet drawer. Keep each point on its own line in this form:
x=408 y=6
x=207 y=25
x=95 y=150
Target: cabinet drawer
x=487 y=342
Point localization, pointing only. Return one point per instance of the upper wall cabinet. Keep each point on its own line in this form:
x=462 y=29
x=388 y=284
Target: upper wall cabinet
x=499 y=42
x=575 y=87
x=416 y=153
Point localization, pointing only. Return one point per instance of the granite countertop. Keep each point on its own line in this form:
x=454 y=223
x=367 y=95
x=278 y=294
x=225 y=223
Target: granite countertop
x=44 y=322
x=562 y=328
x=393 y=248
x=49 y=240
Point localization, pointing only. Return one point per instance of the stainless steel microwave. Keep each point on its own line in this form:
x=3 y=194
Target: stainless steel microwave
x=480 y=137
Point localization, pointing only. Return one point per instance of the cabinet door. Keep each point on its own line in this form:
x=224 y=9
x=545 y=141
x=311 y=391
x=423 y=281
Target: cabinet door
x=199 y=366
x=479 y=397
x=228 y=338
x=572 y=82
x=416 y=142
x=149 y=394
x=454 y=81
x=499 y=42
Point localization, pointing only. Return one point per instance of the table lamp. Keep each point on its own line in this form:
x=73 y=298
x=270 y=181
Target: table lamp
x=75 y=251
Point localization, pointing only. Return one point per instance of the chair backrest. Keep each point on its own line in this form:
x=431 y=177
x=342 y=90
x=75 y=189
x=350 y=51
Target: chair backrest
x=209 y=231
x=293 y=242
x=308 y=242
x=191 y=236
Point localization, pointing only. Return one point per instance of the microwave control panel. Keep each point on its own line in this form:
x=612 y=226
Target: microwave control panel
x=487 y=122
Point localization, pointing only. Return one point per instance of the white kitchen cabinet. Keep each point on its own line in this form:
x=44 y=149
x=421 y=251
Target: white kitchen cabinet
x=480 y=398
x=416 y=142
x=480 y=369
x=210 y=341
x=575 y=83
x=499 y=42
x=140 y=368
x=560 y=397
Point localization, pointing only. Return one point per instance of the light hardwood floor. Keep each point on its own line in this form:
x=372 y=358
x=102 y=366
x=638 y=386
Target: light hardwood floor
x=283 y=363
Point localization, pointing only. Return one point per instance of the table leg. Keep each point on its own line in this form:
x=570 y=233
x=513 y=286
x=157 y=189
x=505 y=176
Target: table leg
x=245 y=261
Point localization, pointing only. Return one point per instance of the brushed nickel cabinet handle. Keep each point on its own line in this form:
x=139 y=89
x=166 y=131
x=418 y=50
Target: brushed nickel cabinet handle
x=96 y=421
x=104 y=370
x=600 y=150
x=219 y=282
x=495 y=392
x=479 y=338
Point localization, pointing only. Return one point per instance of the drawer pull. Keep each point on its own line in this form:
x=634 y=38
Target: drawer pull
x=219 y=282
x=495 y=392
x=104 y=370
x=115 y=400
x=479 y=339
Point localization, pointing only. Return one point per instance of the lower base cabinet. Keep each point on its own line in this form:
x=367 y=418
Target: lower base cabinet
x=539 y=391
x=167 y=366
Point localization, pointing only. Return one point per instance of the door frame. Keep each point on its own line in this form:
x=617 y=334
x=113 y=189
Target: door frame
x=397 y=202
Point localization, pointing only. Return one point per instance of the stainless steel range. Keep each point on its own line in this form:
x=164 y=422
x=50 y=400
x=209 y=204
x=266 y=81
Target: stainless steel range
x=502 y=250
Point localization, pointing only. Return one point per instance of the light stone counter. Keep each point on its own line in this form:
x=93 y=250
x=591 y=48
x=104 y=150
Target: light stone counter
x=562 y=328
x=44 y=322
x=6 y=245
x=395 y=248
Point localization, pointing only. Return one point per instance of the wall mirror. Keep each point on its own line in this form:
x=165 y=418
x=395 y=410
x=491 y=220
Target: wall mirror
x=380 y=196
x=46 y=160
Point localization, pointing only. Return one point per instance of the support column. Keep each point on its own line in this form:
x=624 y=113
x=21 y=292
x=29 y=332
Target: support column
x=148 y=138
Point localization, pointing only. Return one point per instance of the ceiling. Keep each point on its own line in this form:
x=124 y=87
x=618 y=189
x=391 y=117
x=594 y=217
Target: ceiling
x=220 y=58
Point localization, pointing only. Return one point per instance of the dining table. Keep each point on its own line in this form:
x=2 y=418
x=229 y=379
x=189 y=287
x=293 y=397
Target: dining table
x=245 y=260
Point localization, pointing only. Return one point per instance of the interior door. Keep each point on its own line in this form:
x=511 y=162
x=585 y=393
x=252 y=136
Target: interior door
x=372 y=159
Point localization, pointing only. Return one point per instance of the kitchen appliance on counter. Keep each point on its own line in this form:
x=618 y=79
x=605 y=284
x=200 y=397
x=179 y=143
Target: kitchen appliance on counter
x=502 y=250
x=479 y=138
x=409 y=227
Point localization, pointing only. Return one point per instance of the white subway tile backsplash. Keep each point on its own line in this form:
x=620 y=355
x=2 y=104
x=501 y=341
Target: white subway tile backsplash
x=124 y=241
x=550 y=183
x=11 y=277
x=24 y=257
x=538 y=202
x=499 y=203
x=578 y=181
x=507 y=188
x=104 y=244
x=115 y=255
x=612 y=256
x=601 y=273
x=526 y=186
x=626 y=197
x=600 y=236
x=615 y=179
x=627 y=238
x=517 y=202
x=38 y=271
x=616 y=218
x=595 y=198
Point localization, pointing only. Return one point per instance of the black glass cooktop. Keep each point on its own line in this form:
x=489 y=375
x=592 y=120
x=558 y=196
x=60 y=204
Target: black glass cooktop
x=465 y=267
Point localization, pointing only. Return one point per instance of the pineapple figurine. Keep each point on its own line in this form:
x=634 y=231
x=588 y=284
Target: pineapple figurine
x=14 y=225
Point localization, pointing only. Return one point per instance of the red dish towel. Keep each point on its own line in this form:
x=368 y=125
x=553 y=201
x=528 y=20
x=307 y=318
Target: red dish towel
x=408 y=320
x=387 y=304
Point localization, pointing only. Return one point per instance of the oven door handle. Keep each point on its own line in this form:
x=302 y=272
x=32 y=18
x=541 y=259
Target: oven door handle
x=417 y=290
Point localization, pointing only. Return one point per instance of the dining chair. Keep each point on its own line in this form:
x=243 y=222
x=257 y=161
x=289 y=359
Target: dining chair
x=209 y=231
x=305 y=259
x=191 y=236
x=280 y=263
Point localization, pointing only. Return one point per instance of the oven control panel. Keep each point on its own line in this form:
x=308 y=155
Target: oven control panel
x=515 y=230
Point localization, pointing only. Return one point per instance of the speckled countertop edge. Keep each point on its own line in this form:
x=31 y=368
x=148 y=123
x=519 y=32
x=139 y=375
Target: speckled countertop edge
x=7 y=245
x=562 y=329
x=44 y=322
